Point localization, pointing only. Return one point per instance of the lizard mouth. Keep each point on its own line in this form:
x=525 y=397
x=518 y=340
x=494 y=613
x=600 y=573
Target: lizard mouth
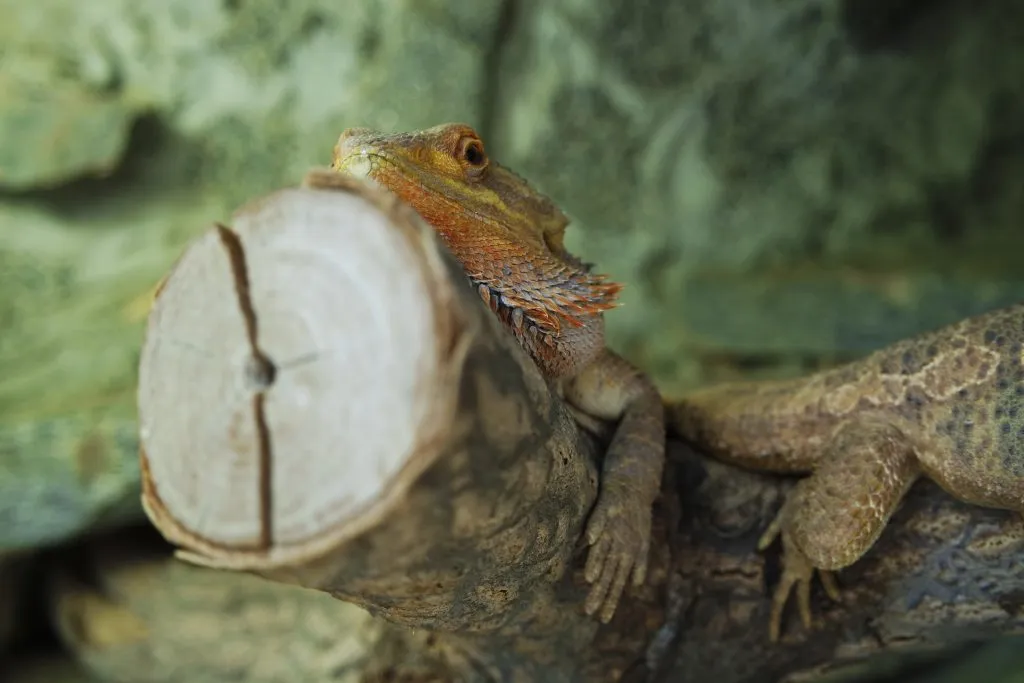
x=553 y=290
x=359 y=164
x=392 y=174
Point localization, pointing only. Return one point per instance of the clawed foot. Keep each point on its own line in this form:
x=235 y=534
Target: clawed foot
x=797 y=572
x=619 y=533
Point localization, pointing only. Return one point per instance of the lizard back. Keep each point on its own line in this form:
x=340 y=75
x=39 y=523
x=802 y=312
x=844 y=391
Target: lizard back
x=956 y=392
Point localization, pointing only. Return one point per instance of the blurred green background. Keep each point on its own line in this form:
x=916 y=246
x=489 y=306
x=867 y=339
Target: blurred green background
x=782 y=185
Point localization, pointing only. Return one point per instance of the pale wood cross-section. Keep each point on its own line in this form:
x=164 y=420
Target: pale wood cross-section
x=281 y=357
x=324 y=400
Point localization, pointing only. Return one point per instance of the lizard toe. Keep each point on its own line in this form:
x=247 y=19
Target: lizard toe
x=599 y=591
x=803 y=600
x=618 y=552
x=597 y=523
x=797 y=574
x=771 y=533
x=612 y=560
x=597 y=558
x=828 y=581
x=640 y=567
x=779 y=599
x=620 y=574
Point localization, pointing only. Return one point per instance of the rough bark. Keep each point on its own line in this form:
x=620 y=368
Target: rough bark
x=943 y=573
x=939 y=557
x=264 y=628
x=458 y=519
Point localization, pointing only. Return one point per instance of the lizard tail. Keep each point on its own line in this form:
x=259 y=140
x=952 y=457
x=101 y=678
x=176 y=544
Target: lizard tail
x=754 y=424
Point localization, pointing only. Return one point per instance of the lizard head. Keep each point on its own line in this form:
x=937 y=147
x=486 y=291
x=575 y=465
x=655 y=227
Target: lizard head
x=508 y=236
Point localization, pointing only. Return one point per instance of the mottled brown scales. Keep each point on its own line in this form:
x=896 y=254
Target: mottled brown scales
x=509 y=239
x=947 y=405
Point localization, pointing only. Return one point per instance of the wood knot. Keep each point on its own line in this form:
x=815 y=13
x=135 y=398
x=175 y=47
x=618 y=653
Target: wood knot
x=260 y=372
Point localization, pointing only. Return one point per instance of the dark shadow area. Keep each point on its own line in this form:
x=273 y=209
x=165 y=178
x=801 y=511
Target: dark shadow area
x=154 y=157
x=882 y=25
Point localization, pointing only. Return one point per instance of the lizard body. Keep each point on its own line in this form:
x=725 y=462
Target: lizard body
x=947 y=405
x=509 y=239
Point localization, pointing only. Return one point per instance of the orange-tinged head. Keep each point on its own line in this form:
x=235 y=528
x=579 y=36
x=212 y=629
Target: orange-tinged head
x=508 y=236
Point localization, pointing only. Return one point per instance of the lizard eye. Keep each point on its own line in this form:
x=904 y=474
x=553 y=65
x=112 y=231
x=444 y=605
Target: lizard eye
x=473 y=154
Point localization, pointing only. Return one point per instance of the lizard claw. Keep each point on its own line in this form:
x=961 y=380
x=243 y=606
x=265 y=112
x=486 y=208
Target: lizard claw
x=619 y=532
x=797 y=573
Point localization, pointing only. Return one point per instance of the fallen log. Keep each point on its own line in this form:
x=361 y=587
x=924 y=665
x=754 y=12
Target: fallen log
x=324 y=402
x=944 y=574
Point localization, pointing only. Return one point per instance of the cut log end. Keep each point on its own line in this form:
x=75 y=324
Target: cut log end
x=292 y=376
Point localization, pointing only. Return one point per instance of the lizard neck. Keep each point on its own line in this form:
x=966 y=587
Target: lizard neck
x=527 y=284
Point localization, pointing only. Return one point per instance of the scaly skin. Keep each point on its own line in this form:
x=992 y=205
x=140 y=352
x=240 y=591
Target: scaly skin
x=509 y=239
x=947 y=405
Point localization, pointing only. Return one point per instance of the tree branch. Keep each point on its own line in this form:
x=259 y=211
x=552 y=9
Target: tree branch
x=943 y=573
x=400 y=452
x=324 y=402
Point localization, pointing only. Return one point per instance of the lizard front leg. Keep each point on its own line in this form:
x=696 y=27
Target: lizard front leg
x=619 y=527
x=832 y=517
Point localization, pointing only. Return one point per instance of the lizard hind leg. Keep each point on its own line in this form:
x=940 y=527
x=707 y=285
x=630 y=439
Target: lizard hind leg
x=834 y=516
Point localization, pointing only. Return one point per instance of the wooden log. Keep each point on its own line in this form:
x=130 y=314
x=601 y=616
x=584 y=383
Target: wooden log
x=129 y=612
x=376 y=435
x=942 y=575
x=324 y=401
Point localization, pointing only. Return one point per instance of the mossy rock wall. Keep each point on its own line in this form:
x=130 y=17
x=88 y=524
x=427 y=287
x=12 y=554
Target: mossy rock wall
x=779 y=184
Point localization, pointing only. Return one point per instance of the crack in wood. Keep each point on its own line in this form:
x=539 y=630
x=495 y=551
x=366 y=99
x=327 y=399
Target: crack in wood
x=239 y=271
x=263 y=441
x=260 y=373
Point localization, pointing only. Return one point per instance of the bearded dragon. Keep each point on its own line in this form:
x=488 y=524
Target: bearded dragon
x=509 y=239
x=947 y=405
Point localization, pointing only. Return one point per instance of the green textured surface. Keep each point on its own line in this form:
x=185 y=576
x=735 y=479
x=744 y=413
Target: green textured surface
x=702 y=139
x=235 y=100
x=699 y=167
x=832 y=312
x=59 y=478
x=770 y=179
x=72 y=307
x=63 y=132
x=999 y=661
